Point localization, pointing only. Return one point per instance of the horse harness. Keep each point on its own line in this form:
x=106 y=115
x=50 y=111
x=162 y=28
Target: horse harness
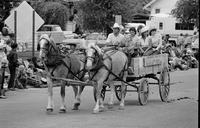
x=100 y=64
x=59 y=60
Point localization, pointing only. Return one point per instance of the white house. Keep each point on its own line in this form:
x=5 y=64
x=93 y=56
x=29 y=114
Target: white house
x=161 y=18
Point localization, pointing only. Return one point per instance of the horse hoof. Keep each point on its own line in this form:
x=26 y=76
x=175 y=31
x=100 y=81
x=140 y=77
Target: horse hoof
x=121 y=107
x=96 y=111
x=62 y=111
x=101 y=109
x=76 y=105
x=110 y=106
x=49 y=109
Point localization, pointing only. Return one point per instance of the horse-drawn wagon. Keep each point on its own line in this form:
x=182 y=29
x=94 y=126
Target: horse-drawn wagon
x=154 y=67
x=108 y=67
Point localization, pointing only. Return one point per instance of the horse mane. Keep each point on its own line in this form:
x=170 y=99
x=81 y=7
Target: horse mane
x=54 y=56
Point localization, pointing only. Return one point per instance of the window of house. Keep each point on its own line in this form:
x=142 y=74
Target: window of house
x=161 y=26
x=181 y=26
x=157 y=10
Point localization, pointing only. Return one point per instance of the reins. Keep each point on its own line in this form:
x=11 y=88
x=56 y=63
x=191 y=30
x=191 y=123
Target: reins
x=58 y=54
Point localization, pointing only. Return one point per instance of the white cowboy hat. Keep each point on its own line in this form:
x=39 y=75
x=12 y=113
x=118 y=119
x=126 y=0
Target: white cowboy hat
x=45 y=36
x=116 y=25
x=144 y=29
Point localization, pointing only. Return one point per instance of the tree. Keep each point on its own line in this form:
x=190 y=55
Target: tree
x=187 y=11
x=52 y=12
x=5 y=7
x=99 y=14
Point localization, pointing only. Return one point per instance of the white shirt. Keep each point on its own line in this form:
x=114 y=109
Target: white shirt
x=115 y=40
x=156 y=40
x=3 y=58
x=144 y=42
x=132 y=41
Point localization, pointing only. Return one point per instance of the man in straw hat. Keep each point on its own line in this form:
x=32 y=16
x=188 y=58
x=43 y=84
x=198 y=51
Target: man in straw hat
x=116 y=37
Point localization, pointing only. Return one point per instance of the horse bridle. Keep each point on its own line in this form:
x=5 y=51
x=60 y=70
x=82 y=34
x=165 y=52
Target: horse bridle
x=49 y=47
x=95 y=58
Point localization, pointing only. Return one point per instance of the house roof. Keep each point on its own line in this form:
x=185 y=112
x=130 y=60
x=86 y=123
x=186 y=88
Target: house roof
x=160 y=15
x=149 y=4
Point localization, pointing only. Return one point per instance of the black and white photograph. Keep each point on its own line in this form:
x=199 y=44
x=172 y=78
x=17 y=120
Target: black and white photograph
x=99 y=63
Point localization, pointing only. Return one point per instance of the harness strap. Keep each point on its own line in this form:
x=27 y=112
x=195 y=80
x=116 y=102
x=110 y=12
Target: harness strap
x=69 y=69
x=109 y=70
x=117 y=76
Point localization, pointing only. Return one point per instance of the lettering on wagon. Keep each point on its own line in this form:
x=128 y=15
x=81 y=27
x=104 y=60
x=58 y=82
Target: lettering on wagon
x=152 y=60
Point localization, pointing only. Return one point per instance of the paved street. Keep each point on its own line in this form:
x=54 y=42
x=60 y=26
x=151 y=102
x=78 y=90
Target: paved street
x=26 y=108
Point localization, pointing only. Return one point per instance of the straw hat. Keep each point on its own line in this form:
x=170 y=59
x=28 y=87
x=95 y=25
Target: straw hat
x=144 y=29
x=116 y=25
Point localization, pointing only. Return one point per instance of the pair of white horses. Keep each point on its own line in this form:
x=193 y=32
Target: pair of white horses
x=100 y=65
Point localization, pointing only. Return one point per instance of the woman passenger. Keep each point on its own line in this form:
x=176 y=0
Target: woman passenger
x=155 y=42
x=144 y=39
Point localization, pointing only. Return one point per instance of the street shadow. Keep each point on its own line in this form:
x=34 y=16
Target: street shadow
x=132 y=102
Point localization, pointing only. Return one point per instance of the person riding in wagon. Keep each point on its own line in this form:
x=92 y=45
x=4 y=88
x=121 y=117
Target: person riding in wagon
x=144 y=39
x=115 y=38
x=132 y=46
x=155 y=42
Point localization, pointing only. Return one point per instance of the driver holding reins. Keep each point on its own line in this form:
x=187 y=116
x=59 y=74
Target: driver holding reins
x=115 y=38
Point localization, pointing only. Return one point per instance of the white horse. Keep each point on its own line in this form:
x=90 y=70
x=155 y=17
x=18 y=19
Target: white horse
x=106 y=67
x=70 y=66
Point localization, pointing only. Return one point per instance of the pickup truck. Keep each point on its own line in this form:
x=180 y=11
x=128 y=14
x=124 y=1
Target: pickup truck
x=54 y=31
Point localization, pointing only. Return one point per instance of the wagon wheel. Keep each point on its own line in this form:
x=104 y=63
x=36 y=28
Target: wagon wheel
x=103 y=92
x=143 y=91
x=118 y=92
x=164 y=84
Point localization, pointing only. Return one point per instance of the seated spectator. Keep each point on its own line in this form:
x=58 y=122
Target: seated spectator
x=174 y=61
x=180 y=41
x=21 y=78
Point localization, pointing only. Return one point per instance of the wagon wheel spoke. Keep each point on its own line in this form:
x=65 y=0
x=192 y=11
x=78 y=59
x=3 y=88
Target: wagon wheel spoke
x=164 y=87
x=143 y=91
x=118 y=92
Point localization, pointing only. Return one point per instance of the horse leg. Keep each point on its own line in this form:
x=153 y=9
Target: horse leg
x=123 y=89
x=62 y=93
x=75 y=88
x=50 y=95
x=112 y=91
x=98 y=86
x=101 y=103
x=78 y=91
